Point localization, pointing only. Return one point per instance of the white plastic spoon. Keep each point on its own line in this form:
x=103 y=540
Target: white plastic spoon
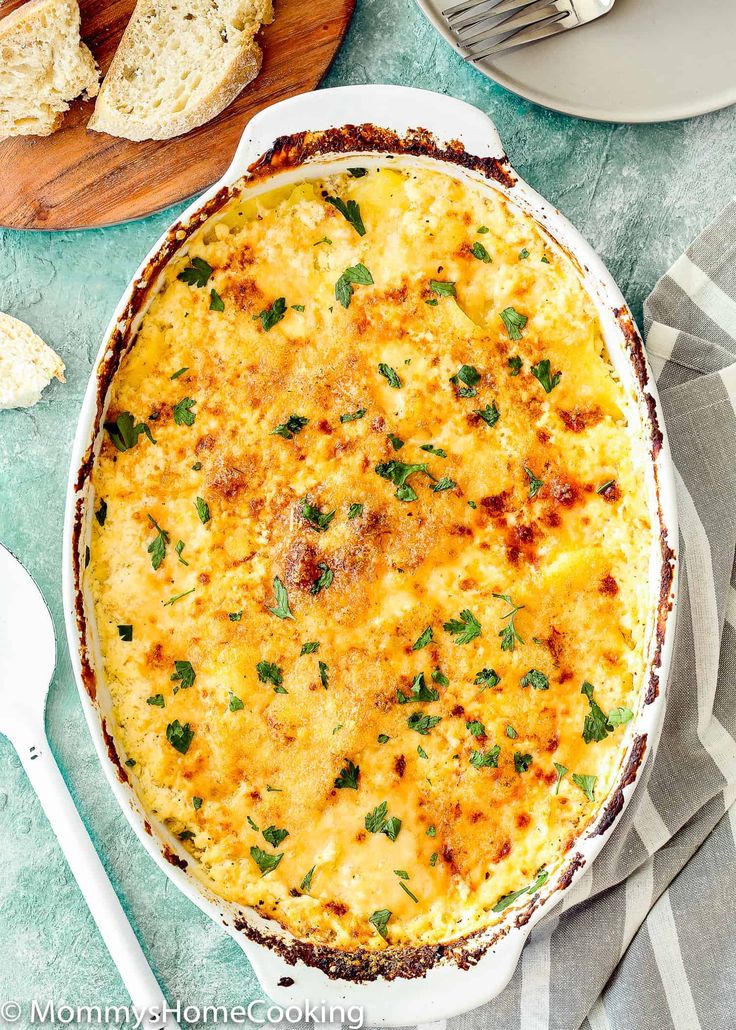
x=27 y=660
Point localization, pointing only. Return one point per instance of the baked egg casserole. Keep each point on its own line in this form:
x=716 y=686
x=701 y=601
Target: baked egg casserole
x=370 y=555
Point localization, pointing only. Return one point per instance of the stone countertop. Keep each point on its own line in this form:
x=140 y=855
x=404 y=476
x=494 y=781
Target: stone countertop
x=639 y=193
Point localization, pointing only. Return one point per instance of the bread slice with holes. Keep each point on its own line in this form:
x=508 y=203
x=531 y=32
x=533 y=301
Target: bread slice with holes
x=179 y=63
x=43 y=66
x=27 y=364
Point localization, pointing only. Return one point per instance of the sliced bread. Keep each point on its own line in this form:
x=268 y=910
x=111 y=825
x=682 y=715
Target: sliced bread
x=27 y=364
x=43 y=66
x=179 y=63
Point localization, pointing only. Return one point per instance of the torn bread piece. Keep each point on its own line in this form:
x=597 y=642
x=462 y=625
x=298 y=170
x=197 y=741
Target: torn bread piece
x=27 y=364
x=43 y=67
x=178 y=65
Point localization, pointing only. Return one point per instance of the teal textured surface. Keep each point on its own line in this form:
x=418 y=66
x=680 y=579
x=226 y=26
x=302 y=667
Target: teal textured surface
x=638 y=193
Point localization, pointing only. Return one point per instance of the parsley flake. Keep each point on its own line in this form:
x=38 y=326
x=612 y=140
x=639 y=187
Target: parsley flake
x=125 y=633
x=490 y=414
x=586 y=784
x=422 y=723
x=536 y=679
x=196 y=273
x=541 y=372
x=317 y=520
x=324 y=580
x=379 y=920
x=509 y=634
x=101 y=513
x=515 y=363
x=289 y=429
x=235 y=704
x=390 y=375
x=265 y=862
x=561 y=772
x=281 y=609
x=444 y=484
x=355 y=511
x=466 y=380
x=442 y=289
x=485 y=759
x=216 y=301
x=465 y=629
x=423 y=639
x=180 y=737
x=419 y=692
x=124 y=432
x=349 y=776
x=355 y=275
x=350 y=212
x=309 y=647
x=270 y=317
x=521 y=762
x=183 y=414
x=273 y=835
x=269 y=672
x=486 y=679
x=203 y=510
x=397 y=472
x=157 y=700
x=535 y=485
x=514 y=322
x=157 y=547
x=480 y=252
x=353 y=416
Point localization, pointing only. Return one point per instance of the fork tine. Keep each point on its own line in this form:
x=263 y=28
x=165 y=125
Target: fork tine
x=462 y=14
x=530 y=33
x=484 y=16
x=516 y=12
x=463 y=8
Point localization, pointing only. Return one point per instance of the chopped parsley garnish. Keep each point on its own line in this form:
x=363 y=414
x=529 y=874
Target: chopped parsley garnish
x=235 y=616
x=353 y=416
x=379 y=920
x=515 y=363
x=197 y=803
x=196 y=467
x=177 y=597
x=273 y=835
x=561 y=772
x=487 y=678
x=324 y=580
x=179 y=372
x=101 y=513
x=390 y=375
x=545 y=260
x=443 y=289
x=482 y=229
x=597 y=724
x=309 y=647
x=431 y=831
x=358 y=173
x=514 y=322
x=422 y=753
x=511 y=732
x=439 y=677
x=466 y=380
x=324 y=677
x=317 y=520
x=306 y=884
x=355 y=275
x=183 y=414
x=297 y=307
x=265 y=862
x=293 y=425
x=184 y=674
x=235 y=704
x=203 y=510
x=541 y=371
x=124 y=431
x=535 y=678
x=196 y=273
x=281 y=609
x=156 y=700
x=431 y=449
x=350 y=212
x=355 y=511
x=383 y=738
x=509 y=635
x=480 y=252
x=476 y=728
x=535 y=485
x=422 y=723
x=523 y=254
x=157 y=547
x=325 y=239
x=125 y=633
x=586 y=784
x=508 y=899
x=464 y=629
x=444 y=484
x=397 y=472
x=349 y=776
x=485 y=759
x=406 y=890
x=216 y=301
x=270 y=317
x=490 y=414
x=180 y=737
x=419 y=692
x=423 y=639
x=269 y=672
x=521 y=762
x=376 y=819
x=600 y=490
x=180 y=545
x=396 y=442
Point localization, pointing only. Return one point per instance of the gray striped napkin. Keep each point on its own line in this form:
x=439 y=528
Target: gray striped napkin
x=647 y=938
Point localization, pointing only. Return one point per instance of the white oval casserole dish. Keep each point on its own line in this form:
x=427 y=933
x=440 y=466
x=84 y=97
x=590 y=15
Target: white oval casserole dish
x=308 y=137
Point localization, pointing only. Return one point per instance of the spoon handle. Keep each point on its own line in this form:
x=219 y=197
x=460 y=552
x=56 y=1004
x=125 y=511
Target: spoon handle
x=85 y=864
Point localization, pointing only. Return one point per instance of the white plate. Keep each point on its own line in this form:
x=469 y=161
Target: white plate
x=645 y=61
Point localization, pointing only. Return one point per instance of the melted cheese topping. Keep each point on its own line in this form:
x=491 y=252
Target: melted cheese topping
x=548 y=506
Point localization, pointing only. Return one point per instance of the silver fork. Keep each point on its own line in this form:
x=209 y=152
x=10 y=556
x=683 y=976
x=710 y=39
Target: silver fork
x=486 y=28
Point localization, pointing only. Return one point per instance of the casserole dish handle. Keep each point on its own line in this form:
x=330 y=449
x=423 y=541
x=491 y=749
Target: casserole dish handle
x=397 y=109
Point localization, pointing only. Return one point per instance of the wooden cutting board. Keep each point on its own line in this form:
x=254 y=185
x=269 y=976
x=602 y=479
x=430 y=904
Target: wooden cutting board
x=75 y=179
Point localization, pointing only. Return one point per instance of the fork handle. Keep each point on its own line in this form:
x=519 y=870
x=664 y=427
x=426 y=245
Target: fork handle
x=85 y=864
